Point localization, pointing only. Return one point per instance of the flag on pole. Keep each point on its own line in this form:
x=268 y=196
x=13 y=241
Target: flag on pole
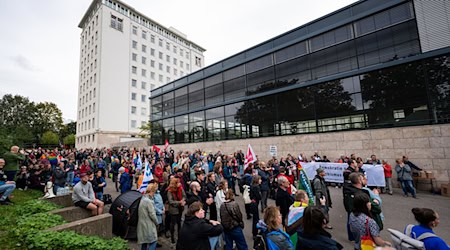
x=250 y=157
x=166 y=144
x=304 y=184
x=134 y=159
x=155 y=148
x=138 y=162
x=147 y=177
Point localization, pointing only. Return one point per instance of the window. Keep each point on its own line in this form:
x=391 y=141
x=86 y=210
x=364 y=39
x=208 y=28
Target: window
x=160 y=78
x=134 y=44
x=133 y=109
x=133 y=69
x=133 y=83
x=187 y=66
x=168 y=69
x=134 y=57
x=144 y=48
x=187 y=55
x=152 y=63
x=94 y=94
x=174 y=49
x=167 y=58
x=168 y=46
x=134 y=30
x=144 y=60
x=133 y=123
x=160 y=42
x=143 y=98
x=181 y=52
x=144 y=34
x=133 y=96
x=116 y=23
x=152 y=52
x=152 y=39
x=93 y=109
x=198 y=61
x=174 y=61
x=160 y=66
x=152 y=75
x=143 y=85
x=143 y=111
x=144 y=72
x=181 y=64
x=175 y=71
x=160 y=55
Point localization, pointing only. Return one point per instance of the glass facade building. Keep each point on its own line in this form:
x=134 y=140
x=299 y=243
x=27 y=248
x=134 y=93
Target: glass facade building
x=360 y=67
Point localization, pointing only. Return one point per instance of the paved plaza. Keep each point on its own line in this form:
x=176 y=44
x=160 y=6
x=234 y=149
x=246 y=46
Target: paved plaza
x=396 y=209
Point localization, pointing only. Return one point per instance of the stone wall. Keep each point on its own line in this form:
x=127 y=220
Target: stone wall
x=427 y=146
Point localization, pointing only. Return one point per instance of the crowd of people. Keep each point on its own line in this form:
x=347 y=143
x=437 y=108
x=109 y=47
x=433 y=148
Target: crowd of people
x=192 y=196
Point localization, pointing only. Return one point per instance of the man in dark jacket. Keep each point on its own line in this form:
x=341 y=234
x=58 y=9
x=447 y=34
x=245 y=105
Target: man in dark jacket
x=283 y=200
x=196 y=230
x=321 y=191
x=265 y=175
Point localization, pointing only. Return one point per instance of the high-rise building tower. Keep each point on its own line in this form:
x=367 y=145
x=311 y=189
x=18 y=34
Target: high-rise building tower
x=123 y=56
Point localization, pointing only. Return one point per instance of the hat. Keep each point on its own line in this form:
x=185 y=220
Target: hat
x=83 y=174
x=320 y=170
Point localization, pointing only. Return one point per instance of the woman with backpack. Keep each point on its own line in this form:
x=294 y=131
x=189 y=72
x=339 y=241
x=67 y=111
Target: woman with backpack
x=271 y=226
x=232 y=222
x=428 y=220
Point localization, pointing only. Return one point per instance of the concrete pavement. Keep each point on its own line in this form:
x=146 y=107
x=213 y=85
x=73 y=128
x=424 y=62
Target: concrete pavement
x=396 y=209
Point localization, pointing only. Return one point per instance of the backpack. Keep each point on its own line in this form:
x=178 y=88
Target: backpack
x=259 y=243
x=271 y=245
x=403 y=241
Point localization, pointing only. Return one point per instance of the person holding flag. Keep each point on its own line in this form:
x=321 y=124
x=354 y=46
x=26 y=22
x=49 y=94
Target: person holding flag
x=304 y=184
x=148 y=176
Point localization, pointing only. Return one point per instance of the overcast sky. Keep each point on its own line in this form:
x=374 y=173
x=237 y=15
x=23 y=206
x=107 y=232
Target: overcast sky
x=39 y=44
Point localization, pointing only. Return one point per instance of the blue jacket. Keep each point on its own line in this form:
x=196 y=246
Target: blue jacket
x=227 y=172
x=159 y=206
x=434 y=243
x=265 y=180
x=124 y=182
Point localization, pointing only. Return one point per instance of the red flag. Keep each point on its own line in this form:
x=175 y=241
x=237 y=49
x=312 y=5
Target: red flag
x=250 y=157
x=155 y=148
x=166 y=145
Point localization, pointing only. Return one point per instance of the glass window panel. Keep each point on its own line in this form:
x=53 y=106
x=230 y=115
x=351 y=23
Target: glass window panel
x=181 y=119
x=195 y=86
x=181 y=91
x=234 y=72
x=232 y=109
x=260 y=63
x=215 y=79
x=290 y=52
x=400 y=13
x=197 y=116
x=214 y=112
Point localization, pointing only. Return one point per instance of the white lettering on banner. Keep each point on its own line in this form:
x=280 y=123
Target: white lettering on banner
x=334 y=171
x=273 y=150
x=375 y=175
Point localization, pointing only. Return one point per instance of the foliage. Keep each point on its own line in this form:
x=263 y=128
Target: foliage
x=35 y=206
x=68 y=129
x=71 y=240
x=49 y=138
x=31 y=224
x=145 y=130
x=24 y=121
x=69 y=140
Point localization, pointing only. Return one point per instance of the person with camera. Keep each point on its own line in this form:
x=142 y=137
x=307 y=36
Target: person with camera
x=232 y=222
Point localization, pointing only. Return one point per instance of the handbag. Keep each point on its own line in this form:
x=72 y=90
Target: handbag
x=107 y=199
x=367 y=242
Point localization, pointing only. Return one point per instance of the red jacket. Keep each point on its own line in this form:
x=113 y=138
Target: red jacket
x=387 y=171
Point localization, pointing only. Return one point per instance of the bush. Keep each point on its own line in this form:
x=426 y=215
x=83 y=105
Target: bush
x=71 y=240
x=31 y=224
x=35 y=206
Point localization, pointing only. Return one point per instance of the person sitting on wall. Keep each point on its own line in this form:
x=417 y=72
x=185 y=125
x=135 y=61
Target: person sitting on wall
x=83 y=196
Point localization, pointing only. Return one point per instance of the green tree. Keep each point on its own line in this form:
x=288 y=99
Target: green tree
x=50 y=138
x=69 y=140
x=146 y=130
x=49 y=118
x=68 y=129
x=16 y=110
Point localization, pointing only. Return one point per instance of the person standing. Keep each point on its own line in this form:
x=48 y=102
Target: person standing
x=115 y=166
x=232 y=223
x=12 y=159
x=265 y=175
x=125 y=181
x=387 y=177
x=283 y=199
x=147 y=233
x=177 y=199
x=229 y=175
x=255 y=196
x=100 y=184
x=428 y=219
x=322 y=191
x=404 y=175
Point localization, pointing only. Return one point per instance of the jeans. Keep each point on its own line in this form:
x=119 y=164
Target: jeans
x=264 y=194
x=349 y=232
x=175 y=219
x=408 y=185
x=237 y=236
x=56 y=186
x=99 y=196
x=69 y=178
x=255 y=213
x=388 y=186
x=241 y=170
x=149 y=246
x=6 y=189
x=214 y=242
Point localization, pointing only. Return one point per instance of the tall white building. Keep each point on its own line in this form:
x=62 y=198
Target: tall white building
x=123 y=55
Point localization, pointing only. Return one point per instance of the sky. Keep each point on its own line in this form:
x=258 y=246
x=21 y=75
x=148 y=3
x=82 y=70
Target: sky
x=40 y=40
